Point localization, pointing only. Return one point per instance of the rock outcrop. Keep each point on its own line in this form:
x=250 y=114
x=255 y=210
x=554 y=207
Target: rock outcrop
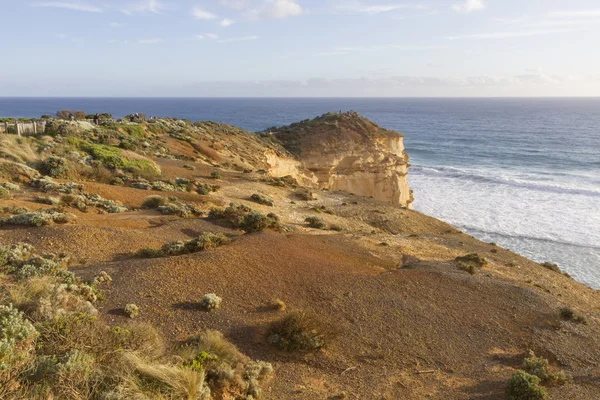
x=345 y=151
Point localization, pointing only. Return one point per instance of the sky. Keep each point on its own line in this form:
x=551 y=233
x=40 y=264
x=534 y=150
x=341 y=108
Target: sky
x=298 y=48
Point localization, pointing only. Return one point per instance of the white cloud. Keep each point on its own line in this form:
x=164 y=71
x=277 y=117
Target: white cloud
x=150 y=41
x=235 y=4
x=207 y=36
x=374 y=9
x=469 y=5
x=277 y=9
x=145 y=6
x=239 y=39
x=510 y=34
x=227 y=22
x=199 y=13
x=61 y=36
x=69 y=6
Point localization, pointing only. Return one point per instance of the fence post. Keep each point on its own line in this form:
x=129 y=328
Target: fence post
x=6 y=127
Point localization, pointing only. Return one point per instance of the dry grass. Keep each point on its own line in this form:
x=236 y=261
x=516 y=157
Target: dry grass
x=18 y=149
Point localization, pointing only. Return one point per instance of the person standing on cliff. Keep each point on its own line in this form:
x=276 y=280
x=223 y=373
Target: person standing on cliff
x=97 y=119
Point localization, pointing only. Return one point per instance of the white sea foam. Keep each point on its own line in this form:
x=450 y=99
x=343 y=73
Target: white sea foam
x=546 y=219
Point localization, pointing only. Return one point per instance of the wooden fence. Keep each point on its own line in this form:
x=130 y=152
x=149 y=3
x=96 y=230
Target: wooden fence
x=31 y=128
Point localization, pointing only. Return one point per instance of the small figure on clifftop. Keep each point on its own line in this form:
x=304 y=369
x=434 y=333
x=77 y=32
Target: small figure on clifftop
x=97 y=119
x=71 y=117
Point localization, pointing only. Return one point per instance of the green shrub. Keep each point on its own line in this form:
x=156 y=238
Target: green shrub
x=204 y=188
x=4 y=193
x=315 y=222
x=551 y=266
x=17 y=337
x=471 y=262
x=204 y=241
x=568 y=314
x=216 y=175
x=523 y=386
x=261 y=199
x=300 y=331
x=154 y=201
x=131 y=310
x=56 y=167
x=245 y=218
x=210 y=302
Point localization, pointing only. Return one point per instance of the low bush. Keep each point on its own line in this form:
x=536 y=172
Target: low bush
x=154 y=202
x=315 y=222
x=568 y=314
x=551 y=266
x=261 y=199
x=245 y=218
x=38 y=218
x=210 y=302
x=56 y=167
x=539 y=367
x=305 y=194
x=205 y=241
x=183 y=210
x=216 y=175
x=204 y=188
x=523 y=386
x=131 y=310
x=300 y=331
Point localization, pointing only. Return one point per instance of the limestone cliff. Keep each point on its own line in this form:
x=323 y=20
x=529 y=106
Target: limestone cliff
x=345 y=151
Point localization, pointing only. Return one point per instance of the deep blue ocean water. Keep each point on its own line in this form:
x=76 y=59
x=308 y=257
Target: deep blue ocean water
x=524 y=173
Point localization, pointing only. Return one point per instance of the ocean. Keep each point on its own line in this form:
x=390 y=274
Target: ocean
x=524 y=173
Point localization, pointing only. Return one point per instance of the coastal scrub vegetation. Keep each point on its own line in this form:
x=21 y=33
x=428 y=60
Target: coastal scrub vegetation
x=245 y=218
x=300 y=331
x=205 y=241
x=53 y=345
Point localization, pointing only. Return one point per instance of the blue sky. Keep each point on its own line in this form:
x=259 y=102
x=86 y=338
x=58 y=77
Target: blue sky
x=300 y=48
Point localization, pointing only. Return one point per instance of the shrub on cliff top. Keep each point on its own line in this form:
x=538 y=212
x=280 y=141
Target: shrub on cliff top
x=300 y=331
x=315 y=222
x=538 y=366
x=262 y=199
x=568 y=314
x=204 y=241
x=523 y=386
x=245 y=218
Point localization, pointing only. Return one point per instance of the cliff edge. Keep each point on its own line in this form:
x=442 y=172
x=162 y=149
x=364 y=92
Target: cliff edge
x=345 y=151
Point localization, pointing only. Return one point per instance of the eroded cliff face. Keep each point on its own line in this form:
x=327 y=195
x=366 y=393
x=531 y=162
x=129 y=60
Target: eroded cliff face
x=344 y=151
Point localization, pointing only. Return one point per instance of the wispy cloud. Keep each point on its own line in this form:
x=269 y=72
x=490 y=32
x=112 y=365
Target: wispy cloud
x=374 y=9
x=227 y=22
x=277 y=9
x=207 y=36
x=511 y=34
x=69 y=6
x=239 y=39
x=200 y=13
x=469 y=6
x=150 y=41
x=61 y=36
x=574 y=13
x=144 y=6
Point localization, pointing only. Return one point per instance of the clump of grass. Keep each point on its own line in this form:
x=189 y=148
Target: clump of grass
x=337 y=228
x=470 y=268
x=216 y=175
x=226 y=369
x=210 y=302
x=471 y=262
x=49 y=200
x=188 y=166
x=4 y=193
x=305 y=194
x=551 y=266
x=278 y=305
x=539 y=367
x=38 y=218
x=568 y=314
x=284 y=181
x=131 y=310
x=315 y=222
x=262 y=199
x=154 y=201
x=204 y=241
x=300 y=331
x=524 y=386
